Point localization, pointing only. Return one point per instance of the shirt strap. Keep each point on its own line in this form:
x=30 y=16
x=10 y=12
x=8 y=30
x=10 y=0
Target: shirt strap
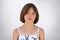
x=18 y=30
x=38 y=31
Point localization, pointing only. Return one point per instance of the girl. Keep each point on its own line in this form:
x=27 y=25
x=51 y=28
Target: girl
x=28 y=31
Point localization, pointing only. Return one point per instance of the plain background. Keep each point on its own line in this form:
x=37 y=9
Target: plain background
x=49 y=20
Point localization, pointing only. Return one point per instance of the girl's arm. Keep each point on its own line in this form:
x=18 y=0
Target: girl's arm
x=41 y=34
x=15 y=34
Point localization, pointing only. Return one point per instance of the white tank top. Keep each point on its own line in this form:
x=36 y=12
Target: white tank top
x=29 y=37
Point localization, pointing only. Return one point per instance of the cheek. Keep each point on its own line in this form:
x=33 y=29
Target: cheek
x=25 y=17
x=33 y=17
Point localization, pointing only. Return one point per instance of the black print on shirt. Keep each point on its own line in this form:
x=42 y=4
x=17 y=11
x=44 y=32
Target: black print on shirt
x=34 y=38
x=26 y=37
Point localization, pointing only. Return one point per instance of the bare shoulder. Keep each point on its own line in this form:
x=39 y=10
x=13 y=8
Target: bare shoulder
x=15 y=31
x=15 y=34
x=41 y=30
x=41 y=33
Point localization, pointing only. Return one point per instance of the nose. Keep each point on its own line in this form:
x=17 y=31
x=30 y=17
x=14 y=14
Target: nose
x=29 y=14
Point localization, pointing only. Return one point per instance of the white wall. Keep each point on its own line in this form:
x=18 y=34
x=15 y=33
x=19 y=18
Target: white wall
x=49 y=11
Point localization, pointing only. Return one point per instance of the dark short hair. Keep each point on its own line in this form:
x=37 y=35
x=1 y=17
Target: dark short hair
x=25 y=10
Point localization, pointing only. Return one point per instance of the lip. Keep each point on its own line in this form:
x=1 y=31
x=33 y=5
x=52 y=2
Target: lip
x=29 y=18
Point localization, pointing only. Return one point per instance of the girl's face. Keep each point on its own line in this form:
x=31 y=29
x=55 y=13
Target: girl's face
x=30 y=15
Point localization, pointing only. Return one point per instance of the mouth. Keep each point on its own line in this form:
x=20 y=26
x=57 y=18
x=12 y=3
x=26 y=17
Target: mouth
x=29 y=18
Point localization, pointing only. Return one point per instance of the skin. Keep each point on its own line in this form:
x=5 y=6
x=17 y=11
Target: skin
x=29 y=26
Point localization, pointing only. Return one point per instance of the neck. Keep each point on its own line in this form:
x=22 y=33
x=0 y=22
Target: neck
x=29 y=25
